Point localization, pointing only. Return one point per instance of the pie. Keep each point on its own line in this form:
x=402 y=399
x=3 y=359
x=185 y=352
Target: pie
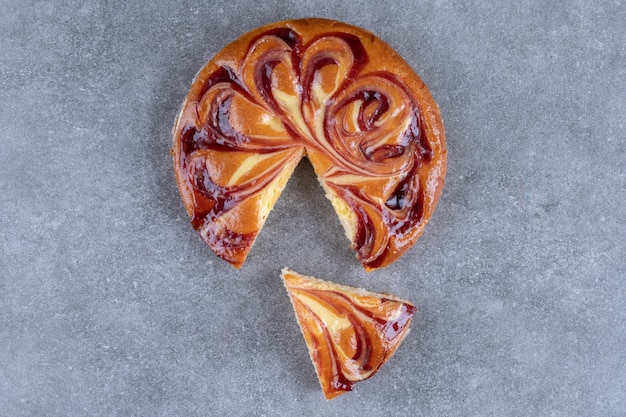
x=350 y=332
x=321 y=88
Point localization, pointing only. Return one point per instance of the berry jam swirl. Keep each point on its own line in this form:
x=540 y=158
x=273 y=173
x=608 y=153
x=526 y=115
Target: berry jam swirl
x=322 y=94
x=350 y=335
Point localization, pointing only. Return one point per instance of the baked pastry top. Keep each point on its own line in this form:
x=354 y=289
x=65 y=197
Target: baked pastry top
x=350 y=333
x=332 y=91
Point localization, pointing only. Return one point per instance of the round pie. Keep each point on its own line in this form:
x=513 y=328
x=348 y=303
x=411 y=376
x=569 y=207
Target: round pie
x=321 y=88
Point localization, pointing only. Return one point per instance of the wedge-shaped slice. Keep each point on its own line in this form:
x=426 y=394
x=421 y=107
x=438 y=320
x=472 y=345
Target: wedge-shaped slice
x=350 y=332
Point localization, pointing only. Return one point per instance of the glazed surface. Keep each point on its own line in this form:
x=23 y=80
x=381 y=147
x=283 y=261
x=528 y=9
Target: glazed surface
x=332 y=91
x=350 y=333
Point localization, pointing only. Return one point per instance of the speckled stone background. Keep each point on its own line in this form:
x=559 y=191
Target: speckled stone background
x=110 y=304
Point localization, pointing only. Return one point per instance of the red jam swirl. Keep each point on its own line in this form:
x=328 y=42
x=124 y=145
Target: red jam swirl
x=367 y=125
x=353 y=335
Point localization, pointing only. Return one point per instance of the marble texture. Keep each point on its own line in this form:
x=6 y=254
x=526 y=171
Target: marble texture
x=110 y=305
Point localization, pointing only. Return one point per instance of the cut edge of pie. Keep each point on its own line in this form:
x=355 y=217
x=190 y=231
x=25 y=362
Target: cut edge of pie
x=349 y=332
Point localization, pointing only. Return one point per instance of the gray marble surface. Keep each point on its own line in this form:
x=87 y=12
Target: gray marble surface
x=110 y=304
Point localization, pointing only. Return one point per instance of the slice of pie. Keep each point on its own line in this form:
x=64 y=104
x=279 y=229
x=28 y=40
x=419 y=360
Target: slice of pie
x=350 y=332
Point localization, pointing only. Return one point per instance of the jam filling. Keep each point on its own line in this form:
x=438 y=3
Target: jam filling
x=356 y=352
x=353 y=120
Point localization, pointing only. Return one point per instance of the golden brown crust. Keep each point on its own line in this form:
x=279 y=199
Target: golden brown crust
x=350 y=332
x=366 y=121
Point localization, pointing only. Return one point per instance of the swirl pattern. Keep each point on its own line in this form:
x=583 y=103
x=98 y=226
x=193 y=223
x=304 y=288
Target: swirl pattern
x=373 y=135
x=350 y=333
